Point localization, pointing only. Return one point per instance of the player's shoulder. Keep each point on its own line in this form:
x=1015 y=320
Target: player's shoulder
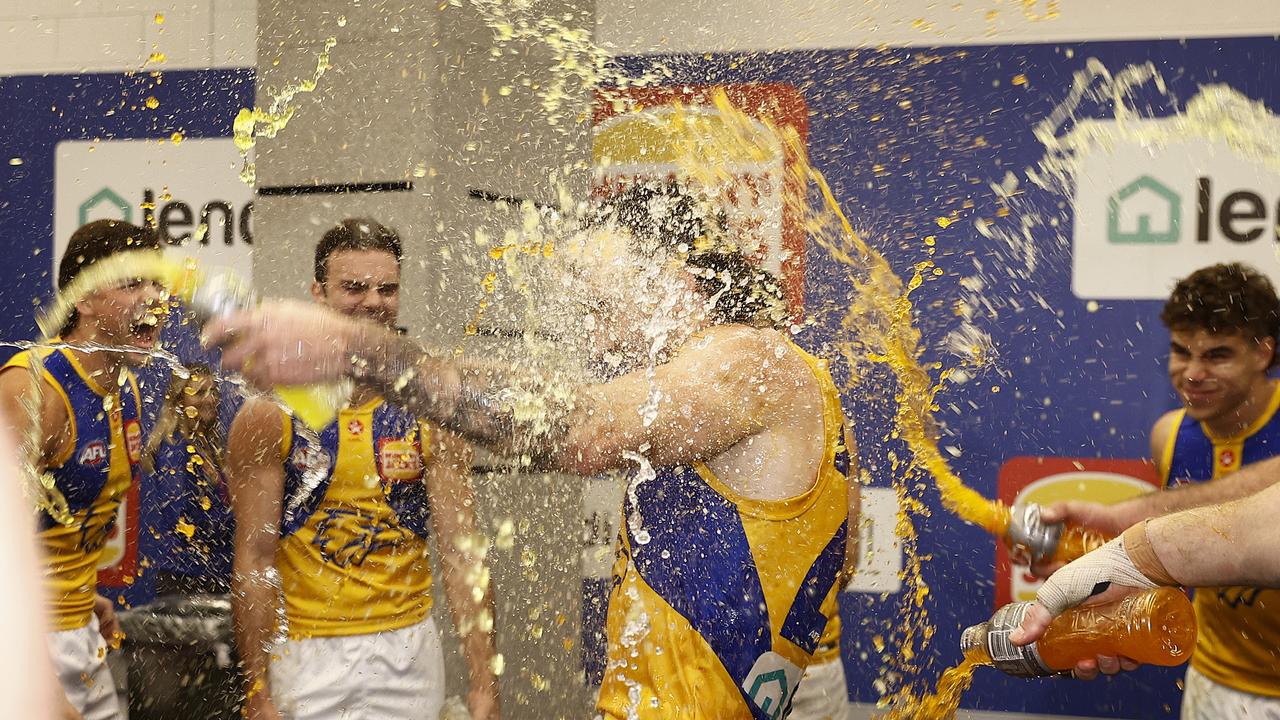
x=261 y=416
x=1166 y=424
x=1165 y=427
x=743 y=343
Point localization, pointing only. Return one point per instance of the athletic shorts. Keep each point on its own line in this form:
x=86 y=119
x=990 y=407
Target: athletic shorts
x=392 y=675
x=1205 y=699
x=80 y=659
x=823 y=694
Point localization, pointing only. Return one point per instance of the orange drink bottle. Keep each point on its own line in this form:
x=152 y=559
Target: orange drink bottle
x=1031 y=540
x=1155 y=627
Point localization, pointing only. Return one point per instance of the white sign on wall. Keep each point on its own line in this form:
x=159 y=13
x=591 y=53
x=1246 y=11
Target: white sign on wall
x=879 y=547
x=190 y=191
x=1147 y=216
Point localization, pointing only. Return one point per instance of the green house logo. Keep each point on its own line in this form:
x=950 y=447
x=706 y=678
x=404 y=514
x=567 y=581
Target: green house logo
x=1140 y=206
x=106 y=203
x=771 y=684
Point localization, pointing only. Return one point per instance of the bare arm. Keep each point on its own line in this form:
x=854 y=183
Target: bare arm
x=1113 y=519
x=712 y=394
x=18 y=393
x=1248 y=480
x=255 y=478
x=28 y=684
x=1227 y=544
x=37 y=447
x=466 y=577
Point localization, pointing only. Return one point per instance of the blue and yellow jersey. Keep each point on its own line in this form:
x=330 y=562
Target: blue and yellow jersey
x=1239 y=639
x=718 y=602
x=829 y=644
x=92 y=475
x=353 y=555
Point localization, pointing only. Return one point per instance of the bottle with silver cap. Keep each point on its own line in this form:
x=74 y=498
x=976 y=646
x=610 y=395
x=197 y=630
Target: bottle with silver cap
x=217 y=296
x=988 y=644
x=1153 y=627
x=213 y=296
x=1030 y=539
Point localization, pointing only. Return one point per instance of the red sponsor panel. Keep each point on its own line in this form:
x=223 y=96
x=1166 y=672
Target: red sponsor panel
x=1046 y=480
x=119 y=563
x=399 y=459
x=133 y=440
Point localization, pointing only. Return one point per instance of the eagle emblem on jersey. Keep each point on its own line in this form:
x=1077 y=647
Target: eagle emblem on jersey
x=346 y=538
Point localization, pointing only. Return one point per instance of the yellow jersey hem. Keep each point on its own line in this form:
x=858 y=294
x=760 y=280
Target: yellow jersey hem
x=348 y=628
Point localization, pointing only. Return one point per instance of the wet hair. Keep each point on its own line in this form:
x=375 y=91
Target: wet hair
x=665 y=217
x=1227 y=298
x=97 y=241
x=100 y=240
x=355 y=234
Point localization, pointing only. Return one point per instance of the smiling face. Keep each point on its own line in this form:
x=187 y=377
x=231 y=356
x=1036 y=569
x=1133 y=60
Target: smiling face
x=363 y=284
x=1215 y=374
x=127 y=315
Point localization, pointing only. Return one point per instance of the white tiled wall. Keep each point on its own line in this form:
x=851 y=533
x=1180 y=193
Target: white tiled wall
x=74 y=36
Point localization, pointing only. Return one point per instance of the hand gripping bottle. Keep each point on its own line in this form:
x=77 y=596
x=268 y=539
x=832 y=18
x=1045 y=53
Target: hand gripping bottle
x=1155 y=627
x=1031 y=540
x=220 y=295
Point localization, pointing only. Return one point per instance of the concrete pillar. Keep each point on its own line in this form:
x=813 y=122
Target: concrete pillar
x=414 y=95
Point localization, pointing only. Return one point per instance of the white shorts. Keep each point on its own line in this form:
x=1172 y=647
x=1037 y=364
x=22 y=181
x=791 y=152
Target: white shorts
x=823 y=694
x=1205 y=699
x=392 y=675
x=80 y=659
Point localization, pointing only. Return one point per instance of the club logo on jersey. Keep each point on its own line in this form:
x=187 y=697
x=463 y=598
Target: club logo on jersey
x=93 y=454
x=133 y=440
x=1226 y=458
x=772 y=683
x=399 y=459
x=345 y=538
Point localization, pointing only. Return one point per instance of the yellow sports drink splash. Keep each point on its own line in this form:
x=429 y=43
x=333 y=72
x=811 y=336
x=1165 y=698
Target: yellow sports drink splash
x=206 y=297
x=315 y=405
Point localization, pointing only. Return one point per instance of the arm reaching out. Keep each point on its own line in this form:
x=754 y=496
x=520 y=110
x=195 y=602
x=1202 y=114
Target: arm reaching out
x=1227 y=544
x=707 y=398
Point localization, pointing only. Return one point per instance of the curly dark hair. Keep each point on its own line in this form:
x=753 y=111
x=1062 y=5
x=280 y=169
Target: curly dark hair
x=1227 y=298
x=664 y=216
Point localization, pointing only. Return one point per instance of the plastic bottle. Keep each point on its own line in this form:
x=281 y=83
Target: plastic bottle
x=219 y=295
x=1155 y=627
x=1031 y=540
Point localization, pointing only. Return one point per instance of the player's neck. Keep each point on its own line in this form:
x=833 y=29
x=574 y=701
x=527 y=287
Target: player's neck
x=361 y=394
x=101 y=365
x=1245 y=414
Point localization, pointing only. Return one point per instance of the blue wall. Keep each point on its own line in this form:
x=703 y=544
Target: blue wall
x=1083 y=362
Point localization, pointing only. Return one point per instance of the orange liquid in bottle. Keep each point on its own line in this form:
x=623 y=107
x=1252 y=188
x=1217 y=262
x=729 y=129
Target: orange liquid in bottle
x=1076 y=541
x=1156 y=627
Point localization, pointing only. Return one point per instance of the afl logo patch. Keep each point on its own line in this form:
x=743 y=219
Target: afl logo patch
x=1226 y=458
x=307 y=458
x=399 y=460
x=93 y=454
x=133 y=440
